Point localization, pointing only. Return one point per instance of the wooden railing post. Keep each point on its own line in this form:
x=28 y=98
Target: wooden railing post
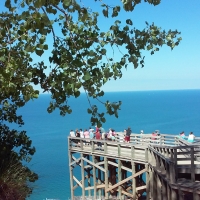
x=147 y=182
x=94 y=176
x=92 y=147
x=119 y=149
x=71 y=173
x=175 y=164
x=172 y=172
x=106 y=175
x=146 y=154
x=134 y=180
x=105 y=147
x=81 y=144
x=82 y=176
x=192 y=164
x=132 y=152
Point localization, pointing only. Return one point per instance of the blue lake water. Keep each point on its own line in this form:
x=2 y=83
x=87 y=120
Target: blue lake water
x=168 y=111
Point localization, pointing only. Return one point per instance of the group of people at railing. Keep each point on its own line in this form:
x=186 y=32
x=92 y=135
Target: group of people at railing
x=190 y=138
x=99 y=133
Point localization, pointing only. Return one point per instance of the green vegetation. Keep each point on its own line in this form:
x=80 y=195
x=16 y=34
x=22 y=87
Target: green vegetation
x=78 y=60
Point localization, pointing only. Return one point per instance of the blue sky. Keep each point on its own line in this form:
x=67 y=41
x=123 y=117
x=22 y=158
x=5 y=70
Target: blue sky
x=166 y=69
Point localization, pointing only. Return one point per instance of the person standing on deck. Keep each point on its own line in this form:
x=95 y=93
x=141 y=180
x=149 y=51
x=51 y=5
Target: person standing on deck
x=77 y=133
x=153 y=137
x=98 y=137
x=81 y=133
x=87 y=135
x=72 y=134
x=102 y=130
x=91 y=133
x=182 y=135
x=191 y=137
x=97 y=128
x=128 y=135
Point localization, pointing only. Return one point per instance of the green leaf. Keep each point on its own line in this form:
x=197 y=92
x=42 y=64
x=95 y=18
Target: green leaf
x=8 y=4
x=39 y=52
x=105 y=12
x=86 y=76
x=89 y=111
x=128 y=21
x=67 y=3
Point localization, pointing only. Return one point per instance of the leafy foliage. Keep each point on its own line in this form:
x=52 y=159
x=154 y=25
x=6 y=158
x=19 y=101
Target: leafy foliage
x=15 y=147
x=78 y=57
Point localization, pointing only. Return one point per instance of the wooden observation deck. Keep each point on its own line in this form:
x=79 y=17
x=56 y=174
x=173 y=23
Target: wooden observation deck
x=167 y=168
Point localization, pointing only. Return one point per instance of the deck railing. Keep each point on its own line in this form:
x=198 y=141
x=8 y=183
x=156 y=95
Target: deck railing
x=176 y=159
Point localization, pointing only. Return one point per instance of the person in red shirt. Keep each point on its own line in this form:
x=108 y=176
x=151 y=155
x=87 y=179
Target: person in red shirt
x=153 y=136
x=98 y=137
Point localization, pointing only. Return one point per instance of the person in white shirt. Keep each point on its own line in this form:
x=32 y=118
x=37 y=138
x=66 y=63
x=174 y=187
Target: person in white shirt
x=191 y=137
x=72 y=133
x=81 y=133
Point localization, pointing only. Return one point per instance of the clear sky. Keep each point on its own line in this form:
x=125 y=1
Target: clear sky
x=166 y=69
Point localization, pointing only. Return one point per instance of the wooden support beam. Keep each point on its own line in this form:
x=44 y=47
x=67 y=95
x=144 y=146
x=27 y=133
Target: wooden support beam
x=122 y=167
x=141 y=187
x=77 y=185
x=180 y=194
x=71 y=175
x=94 y=176
x=88 y=174
x=192 y=164
x=100 y=163
x=83 y=175
x=134 y=180
x=119 y=178
x=106 y=176
x=78 y=182
x=168 y=192
x=93 y=164
x=125 y=180
x=127 y=194
x=147 y=182
x=158 y=189
x=99 y=180
x=164 y=189
x=173 y=194
x=75 y=161
x=97 y=187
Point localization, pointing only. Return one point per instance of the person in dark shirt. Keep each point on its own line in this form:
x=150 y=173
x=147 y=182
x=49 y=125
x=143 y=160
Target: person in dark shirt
x=128 y=134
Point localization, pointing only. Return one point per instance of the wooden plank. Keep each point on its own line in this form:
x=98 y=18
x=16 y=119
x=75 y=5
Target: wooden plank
x=97 y=186
x=71 y=175
x=100 y=163
x=134 y=180
x=75 y=161
x=141 y=187
x=116 y=165
x=83 y=175
x=192 y=165
x=94 y=176
x=147 y=182
x=127 y=194
x=125 y=180
x=119 y=177
x=106 y=176
x=77 y=185
x=97 y=166
x=78 y=182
